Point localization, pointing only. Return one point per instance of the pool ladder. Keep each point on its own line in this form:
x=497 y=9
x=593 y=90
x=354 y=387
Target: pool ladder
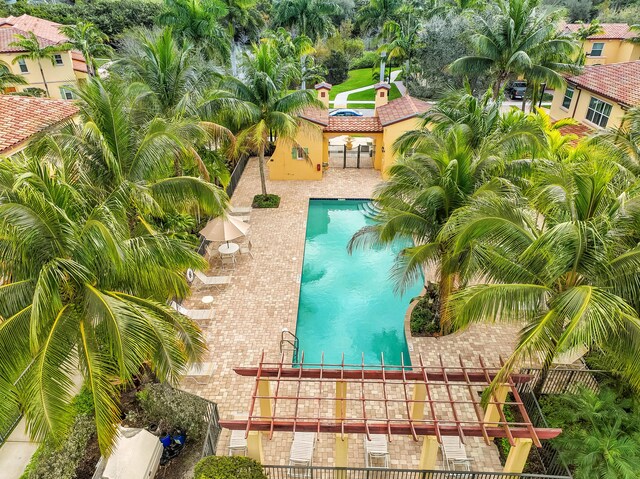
x=289 y=342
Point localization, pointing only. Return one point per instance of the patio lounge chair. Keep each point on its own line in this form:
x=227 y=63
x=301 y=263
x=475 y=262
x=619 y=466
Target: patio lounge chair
x=240 y=210
x=212 y=280
x=237 y=444
x=376 y=452
x=195 y=314
x=455 y=454
x=302 y=453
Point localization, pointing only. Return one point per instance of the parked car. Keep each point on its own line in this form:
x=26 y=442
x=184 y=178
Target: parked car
x=345 y=112
x=516 y=89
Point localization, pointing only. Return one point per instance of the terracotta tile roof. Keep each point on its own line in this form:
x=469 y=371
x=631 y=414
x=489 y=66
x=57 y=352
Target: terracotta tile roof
x=323 y=84
x=8 y=36
x=80 y=66
x=612 y=31
x=319 y=116
x=23 y=117
x=401 y=109
x=580 y=130
x=41 y=27
x=354 y=124
x=382 y=84
x=619 y=82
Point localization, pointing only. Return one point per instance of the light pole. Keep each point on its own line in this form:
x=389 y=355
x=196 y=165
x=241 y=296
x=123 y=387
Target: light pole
x=383 y=65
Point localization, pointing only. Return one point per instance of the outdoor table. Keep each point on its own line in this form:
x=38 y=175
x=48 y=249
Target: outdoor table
x=228 y=248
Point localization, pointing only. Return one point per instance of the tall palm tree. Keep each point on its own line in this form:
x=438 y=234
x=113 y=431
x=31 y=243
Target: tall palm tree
x=244 y=24
x=306 y=17
x=443 y=169
x=376 y=13
x=624 y=141
x=402 y=40
x=88 y=40
x=261 y=105
x=199 y=21
x=33 y=50
x=567 y=268
x=83 y=293
x=513 y=42
x=8 y=79
x=297 y=50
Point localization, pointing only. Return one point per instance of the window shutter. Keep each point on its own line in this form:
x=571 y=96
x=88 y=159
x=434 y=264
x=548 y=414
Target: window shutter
x=294 y=153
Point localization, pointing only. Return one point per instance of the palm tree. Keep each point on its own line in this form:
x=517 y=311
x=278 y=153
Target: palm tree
x=83 y=293
x=463 y=157
x=402 y=39
x=306 y=17
x=624 y=141
x=513 y=43
x=199 y=21
x=244 y=23
x=122 y=146
x=376 y=13
x=8 y=79
x=297 y=50
x=635 y=29
x=567 y=268
x=261 y=105
x=88 y=40
x=33 y=50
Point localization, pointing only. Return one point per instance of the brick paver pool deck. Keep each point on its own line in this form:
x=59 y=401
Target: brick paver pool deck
x=263 y=299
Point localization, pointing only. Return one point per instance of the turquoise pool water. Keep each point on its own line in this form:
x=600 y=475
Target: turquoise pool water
x=347 y=304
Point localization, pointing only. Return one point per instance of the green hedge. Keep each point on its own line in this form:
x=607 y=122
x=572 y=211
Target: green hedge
x=228 y=467
x=266 y=201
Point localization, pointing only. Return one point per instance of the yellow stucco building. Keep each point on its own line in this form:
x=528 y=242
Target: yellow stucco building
x=610 y=46
x=61 y=73
x=325 y=141
x=599 y=97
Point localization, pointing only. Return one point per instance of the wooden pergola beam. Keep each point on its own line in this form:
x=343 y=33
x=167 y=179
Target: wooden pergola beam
x=404 y=429
x=416 y=374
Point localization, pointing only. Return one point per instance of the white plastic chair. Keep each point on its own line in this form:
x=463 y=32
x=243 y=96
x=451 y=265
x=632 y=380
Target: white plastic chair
x=237 y=443
x=376 y=451
x=246 y=249
x=455 y=454
x=228 y=259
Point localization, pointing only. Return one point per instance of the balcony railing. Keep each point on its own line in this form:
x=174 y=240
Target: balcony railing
x=312 y=472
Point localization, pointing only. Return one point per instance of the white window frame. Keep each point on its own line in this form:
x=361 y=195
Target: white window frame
x=66 y=93
x=568 y=95
x=22 y=65
x=591 y=54
x=597 y=109
x=55 y=60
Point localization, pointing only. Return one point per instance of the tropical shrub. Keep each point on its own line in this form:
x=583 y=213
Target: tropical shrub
x=228 y=467
x=425 y=317
x=366 y=60
x=171 y=408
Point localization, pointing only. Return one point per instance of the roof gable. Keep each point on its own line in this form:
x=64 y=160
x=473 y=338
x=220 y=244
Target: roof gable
x=401 y=109
x=619 y=82
x=611 y=31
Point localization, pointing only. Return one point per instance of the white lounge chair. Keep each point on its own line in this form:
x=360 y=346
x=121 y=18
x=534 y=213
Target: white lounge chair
x=240 y=210
x=212 y=280
x=246 y=249
x=237 y=443
x=376 y=452
x=302 y=453
x=455 y=454
x=195 y=314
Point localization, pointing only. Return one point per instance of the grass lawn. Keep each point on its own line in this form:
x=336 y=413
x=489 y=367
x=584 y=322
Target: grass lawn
x=357 y=79
x=369 y=95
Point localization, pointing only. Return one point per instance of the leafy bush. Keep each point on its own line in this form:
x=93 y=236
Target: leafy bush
x=337 y=67
x=601 y=432
x=228 y=467
x=170 y=409
x=60 y=461
x=425 y=317
x=266 y=201
x=366 y=60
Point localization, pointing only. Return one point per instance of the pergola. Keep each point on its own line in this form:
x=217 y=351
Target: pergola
x=408 y=400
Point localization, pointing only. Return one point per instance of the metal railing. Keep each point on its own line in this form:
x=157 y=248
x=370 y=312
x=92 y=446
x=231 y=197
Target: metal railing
x=210 y=445
x=236 y=174
x=565 y=380
x=313 y=472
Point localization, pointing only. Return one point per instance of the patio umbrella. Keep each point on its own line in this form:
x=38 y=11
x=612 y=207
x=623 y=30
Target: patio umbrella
x=224 y=228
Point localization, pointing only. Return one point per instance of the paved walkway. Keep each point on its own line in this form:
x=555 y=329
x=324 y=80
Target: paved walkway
x=342 y=99
x=263 y=298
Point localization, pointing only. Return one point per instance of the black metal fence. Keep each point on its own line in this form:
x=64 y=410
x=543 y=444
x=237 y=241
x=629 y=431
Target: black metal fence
x=564 y=380
x=312 y=472
x=210 y=445
x=236 y=174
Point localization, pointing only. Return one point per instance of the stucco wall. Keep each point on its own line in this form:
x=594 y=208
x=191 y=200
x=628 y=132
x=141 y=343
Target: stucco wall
x=282 y=165
x=391 y=134
x=615 y=51
x=579 y=105
x=56 y=75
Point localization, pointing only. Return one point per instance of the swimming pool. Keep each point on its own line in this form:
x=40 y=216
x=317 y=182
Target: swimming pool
x=347 y=303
